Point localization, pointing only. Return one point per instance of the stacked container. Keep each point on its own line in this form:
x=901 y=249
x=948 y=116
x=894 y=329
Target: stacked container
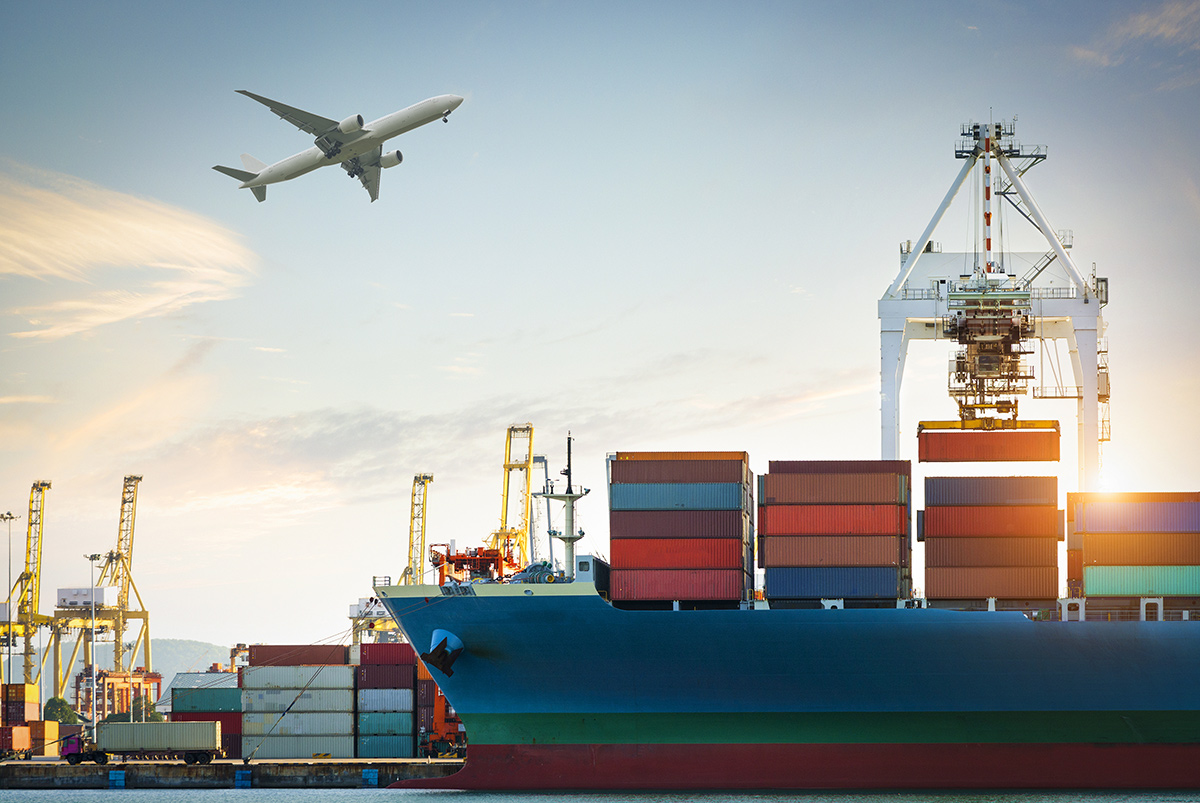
x=835 y=529
x=297 y=710
x=986 y=446
x=210 y=697
x=1138 y=544
x=43 y=737
x=680 y=528
x=21 y=703
x=386 y=675
x=991 y=537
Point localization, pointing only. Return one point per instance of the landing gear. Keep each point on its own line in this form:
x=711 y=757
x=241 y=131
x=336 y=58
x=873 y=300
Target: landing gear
x=353 y=168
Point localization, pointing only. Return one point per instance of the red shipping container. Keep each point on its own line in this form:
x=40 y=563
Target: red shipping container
x=231 y=743
x=981 y=582
x=677 y=584
x=424 y=718
x=1026 y=521
x=941 y=551
x=20 y=693
x=678 y=524
x=231 y=721
x=785 y=551
x=834 y=489
x=396 y=653
x=634 y=471
x=902 y=467
x=15 y=737
x=833 y=520
x=1141 y=549
x=298 y=654
x=742 y=456
x=983 y=446
x=1075 y=566
x=385 y=676
x=677 y=553
x=426 y=692
x=19 y=713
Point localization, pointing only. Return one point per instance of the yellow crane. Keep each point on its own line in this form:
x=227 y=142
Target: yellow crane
x=513 y=541
x=28 y=586
x=117 y=572
x=414 y=572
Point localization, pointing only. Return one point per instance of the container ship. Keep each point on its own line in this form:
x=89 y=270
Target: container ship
x=667 y=666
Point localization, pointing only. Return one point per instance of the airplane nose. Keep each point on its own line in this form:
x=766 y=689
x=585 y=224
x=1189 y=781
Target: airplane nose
x=455 y=101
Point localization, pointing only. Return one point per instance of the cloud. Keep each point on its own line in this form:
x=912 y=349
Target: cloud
x=26 y=400
x=270 y=349
x=146 y=258
x=1171 y=32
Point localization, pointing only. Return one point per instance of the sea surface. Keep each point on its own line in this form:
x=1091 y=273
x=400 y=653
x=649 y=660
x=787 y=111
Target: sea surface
x=445 y=796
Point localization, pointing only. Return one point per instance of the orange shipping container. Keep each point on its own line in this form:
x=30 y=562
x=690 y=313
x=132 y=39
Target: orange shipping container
x=834 y=489
x=423 y=671
x=1002 y=582
x=1075 y=566
x=742 y=456
x=1075 y=498
x=20 y=693
x=43 y=736
x=833 y=520
x=990 y=551
x=1027 y=521
x=785 y=551
x=15 y=737
x=982 y=446
x=1141 y=549
x=677 y=553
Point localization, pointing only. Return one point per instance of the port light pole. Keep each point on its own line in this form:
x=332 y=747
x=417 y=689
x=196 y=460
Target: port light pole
x=92 y=635
x=7 y=516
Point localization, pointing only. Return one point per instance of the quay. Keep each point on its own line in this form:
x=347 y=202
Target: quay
x=291 y=774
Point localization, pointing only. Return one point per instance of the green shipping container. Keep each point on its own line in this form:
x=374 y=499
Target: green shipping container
x=385 y=747
x=394 y=723
x=206 y=700
x=1141 y=581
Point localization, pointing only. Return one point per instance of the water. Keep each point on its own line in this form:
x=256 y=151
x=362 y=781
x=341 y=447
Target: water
x=445 y=796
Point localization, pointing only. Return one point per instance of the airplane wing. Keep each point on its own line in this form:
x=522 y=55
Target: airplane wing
x=305 y=121
x=367 y=170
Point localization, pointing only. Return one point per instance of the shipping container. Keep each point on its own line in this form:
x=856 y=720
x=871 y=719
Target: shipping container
x=679 y=496
x=1137 y=517
x=105 y=596
x=297 y=677
x=328 y=723
x=19 y=713
x=423 y=672
x=1075 y=566
x=267 y=747
x=425 y=717
x=296 y=700
x=1001 y=582
x=15 y=737
x=840 y=467
x=1026 y=521
x=202 y=699
x=1141 y=549
x=385 y=676
x=833 y=550
x=397 y=653
x=21 y=693
x=834 y=582
x=426 y=692
x=298 y=654
x=742 y=456
x=1141 y=581
x=833 y=489
x=231 y=743
x=123 y=737
x=833 y=520
x=231 y=722
x=385 y=723
x=642 y=471
x=385 y=699
x=385 y=746
x=958 y=491
x=941 y=551
x=677 y=553
x=983 y=446
x=677 y=584
x=1077 y=498
x=43 y=737
x=205 y=680
x=679 y=524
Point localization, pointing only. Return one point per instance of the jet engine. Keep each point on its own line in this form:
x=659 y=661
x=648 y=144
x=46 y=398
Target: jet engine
x=351 y=124
x=391 y=159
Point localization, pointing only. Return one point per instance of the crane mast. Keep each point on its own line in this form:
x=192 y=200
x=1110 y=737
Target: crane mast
x=116 y=571
x=513 y=541
x=414 y=572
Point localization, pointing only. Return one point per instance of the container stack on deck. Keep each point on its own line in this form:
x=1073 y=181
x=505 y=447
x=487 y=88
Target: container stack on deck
x=1138 y=545
x=835 y=529
x=991 y=537
x=681 y=529
x=23 y=728
x=210 y=697
x=386 y=676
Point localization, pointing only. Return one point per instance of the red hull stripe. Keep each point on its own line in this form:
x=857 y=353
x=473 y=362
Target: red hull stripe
x=827 y=766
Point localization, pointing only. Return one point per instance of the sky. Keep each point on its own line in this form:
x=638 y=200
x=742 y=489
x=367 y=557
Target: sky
x=656 y=226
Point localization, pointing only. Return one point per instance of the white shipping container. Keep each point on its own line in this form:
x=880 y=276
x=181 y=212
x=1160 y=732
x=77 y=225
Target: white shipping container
x=116 y=737
x=256 y=723
x=106 y=596
x=301 y=701
x=204 y=680
x=298 y=677
x=355 y=654
x=297 y=746
x=367 y=608
x=389 y=700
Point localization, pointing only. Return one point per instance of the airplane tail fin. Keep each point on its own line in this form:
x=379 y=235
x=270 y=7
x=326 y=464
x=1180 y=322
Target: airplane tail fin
x=252 y=164
x=241 y=175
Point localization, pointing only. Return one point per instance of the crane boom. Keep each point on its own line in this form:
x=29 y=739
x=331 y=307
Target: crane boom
x=28 y=587
x=513 y=541
x=116 y=571
x=414 y=572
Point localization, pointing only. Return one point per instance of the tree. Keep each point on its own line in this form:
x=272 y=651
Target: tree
x=60 y=711
x=135 y=715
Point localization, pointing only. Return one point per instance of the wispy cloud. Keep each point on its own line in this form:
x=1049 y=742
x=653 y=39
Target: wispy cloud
x=1171 y=34
x=58 y=228
x=270 y=349
x=27 y=400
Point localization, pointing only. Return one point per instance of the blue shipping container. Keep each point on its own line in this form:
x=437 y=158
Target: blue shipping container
x=384 y=747
x=833 y=582
x=1141 y=581
x=679 y=496
x=392 y=723
x=1137 y=517
x=206 y=701
x=991 y=491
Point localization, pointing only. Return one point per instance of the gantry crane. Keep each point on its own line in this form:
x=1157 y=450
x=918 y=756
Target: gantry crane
x=414 y=572
x=28 y=586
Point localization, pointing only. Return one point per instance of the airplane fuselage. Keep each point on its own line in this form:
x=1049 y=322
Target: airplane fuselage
x=371 y=136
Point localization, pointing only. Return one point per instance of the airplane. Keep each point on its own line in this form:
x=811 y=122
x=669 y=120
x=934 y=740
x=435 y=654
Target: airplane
x=358 y=148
